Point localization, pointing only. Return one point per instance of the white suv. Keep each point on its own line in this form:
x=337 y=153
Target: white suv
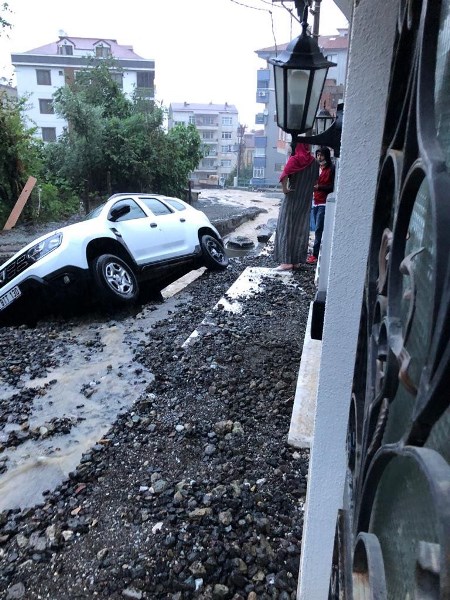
x=129 y=239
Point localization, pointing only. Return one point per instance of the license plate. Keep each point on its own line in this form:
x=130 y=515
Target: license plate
x=9 y=297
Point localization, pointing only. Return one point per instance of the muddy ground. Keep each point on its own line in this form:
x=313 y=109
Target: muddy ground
x=192 y=491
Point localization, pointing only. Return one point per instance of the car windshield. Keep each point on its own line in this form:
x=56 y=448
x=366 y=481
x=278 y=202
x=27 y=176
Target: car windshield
x=95 y=212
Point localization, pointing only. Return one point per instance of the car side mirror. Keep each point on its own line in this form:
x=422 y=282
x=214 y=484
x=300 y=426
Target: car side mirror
x=116 y=213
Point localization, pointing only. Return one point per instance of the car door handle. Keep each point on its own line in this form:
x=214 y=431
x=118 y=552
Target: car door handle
x=183 y=220
x=153 y=224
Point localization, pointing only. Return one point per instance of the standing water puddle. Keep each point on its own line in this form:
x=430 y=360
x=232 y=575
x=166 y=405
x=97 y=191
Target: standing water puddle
x=88 y=391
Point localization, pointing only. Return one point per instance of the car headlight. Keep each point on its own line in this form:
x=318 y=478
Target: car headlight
x=44 y=247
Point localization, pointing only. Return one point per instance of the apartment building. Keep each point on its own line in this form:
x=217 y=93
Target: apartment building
x=217 y=125
x=41 y=71
x=271 y=148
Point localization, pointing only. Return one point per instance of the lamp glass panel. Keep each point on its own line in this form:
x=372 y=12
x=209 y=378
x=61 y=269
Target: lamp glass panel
x=297 y=87
x=279 y=96
x=321 y=124
x=316 y=90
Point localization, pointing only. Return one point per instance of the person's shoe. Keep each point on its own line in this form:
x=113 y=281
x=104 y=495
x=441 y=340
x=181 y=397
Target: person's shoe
x=311 y=260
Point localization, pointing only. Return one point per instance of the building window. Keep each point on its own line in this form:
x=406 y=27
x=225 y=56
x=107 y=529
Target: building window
x=332 y=57
x=258 y=172
x=208 y=135
x=66 y=50
x=46 y=106
x=226 y=135
x=225 y=163
x=260 y=152
x=227 y=121
x=144 y=79
x=192 y=120
x=48 y=134
x=208 y=120
x=43 y=77
x=102 y=52
x=208 y=162
x=118 y=78
x=227 y=148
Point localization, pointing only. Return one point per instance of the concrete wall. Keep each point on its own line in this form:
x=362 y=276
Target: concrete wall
x=372 y=36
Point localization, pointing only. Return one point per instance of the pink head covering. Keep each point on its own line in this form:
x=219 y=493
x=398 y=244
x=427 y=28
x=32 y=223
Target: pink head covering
x=298 y=161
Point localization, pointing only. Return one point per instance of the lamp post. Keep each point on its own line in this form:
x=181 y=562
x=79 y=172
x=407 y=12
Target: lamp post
x=299 y=72
x=323 y=120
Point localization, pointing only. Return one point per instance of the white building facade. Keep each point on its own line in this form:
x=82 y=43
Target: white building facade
x=217 y=125
x=41 y=71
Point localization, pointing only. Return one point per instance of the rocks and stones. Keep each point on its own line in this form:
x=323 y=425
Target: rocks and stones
x=240 y=242
x=192 y=494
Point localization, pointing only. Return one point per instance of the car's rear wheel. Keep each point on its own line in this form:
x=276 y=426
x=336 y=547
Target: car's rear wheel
x=115 y=279
x=213 y=253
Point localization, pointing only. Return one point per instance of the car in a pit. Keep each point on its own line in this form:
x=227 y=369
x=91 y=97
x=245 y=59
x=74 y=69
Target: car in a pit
x=121 y=245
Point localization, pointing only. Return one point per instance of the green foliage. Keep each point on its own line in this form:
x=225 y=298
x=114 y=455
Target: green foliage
x=51 y=203
x=97 y=86
x=20 y=153
x=116 y=145
x=4 y=24
x=245 y=174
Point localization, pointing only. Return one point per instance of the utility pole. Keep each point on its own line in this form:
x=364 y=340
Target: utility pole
x=316 y=13
x=240 y=135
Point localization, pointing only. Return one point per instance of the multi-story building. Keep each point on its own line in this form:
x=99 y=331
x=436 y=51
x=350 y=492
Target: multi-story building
x=217 y=125
x=272 y=147
x=41 y=71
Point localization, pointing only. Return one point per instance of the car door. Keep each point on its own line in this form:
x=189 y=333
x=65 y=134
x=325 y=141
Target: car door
x=137 y=229
x=172 y=227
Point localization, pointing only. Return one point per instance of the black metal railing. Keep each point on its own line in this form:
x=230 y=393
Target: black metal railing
x=393 y=539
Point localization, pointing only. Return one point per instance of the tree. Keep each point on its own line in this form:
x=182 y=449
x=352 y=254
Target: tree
x=4 y=24
x=98 y=85
x=115 y=144
x=20 y=152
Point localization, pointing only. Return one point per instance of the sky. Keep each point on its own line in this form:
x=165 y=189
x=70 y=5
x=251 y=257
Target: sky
x=204 y=50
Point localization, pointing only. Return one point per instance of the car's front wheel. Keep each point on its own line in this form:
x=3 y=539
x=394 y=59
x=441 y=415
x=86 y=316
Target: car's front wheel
x=115 y=280
x=213 y=252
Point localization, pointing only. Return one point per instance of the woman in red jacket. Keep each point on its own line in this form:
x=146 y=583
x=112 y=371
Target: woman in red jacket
x=324 y=185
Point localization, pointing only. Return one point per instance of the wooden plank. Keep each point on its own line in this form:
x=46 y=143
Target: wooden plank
x=19 y=206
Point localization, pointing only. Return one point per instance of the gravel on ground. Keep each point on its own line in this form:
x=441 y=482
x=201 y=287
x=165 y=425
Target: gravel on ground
x=194 y=491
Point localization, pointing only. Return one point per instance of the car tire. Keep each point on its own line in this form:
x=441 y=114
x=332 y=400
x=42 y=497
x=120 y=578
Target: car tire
x=213 y=253
x=114 y=279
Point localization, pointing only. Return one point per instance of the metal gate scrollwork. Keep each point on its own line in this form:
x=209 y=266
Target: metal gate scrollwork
x=393 y=540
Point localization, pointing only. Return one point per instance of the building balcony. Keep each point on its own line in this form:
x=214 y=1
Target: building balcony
x=147 y=93
x=262 y=96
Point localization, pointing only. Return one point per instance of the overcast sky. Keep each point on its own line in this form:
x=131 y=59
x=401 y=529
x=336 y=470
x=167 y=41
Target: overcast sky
x=204 y=50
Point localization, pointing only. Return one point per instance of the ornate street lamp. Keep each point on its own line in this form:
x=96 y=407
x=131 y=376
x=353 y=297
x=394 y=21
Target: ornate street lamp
x=323 y=120
x=300 y=72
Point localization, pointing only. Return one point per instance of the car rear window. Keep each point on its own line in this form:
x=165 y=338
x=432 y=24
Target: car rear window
x=175 y=203
x=156 y=206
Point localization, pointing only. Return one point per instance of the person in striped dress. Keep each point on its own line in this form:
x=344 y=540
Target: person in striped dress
x=292 y=234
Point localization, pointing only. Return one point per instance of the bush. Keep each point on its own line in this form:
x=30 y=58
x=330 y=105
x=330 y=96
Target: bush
x=49 y=203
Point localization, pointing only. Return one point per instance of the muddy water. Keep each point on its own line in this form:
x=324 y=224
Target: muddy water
x=90 y=389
